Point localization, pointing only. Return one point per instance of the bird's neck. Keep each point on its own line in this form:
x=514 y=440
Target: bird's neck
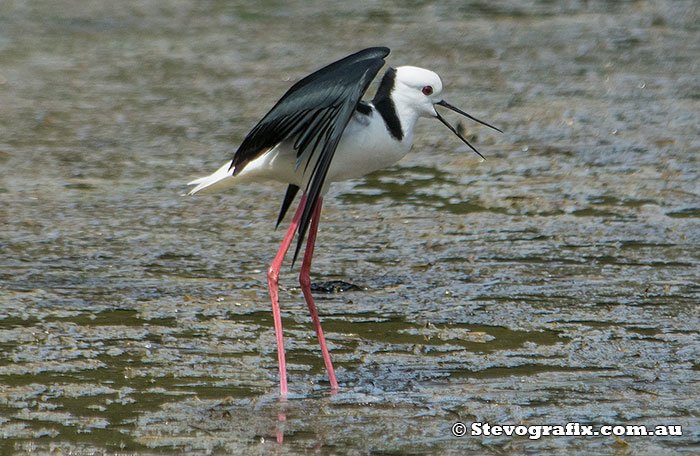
x=407 y=116
x=398 y=118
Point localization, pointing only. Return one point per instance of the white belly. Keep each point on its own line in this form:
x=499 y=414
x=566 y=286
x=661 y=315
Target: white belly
x=365 y=146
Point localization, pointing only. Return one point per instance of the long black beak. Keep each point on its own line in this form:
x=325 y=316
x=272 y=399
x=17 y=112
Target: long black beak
x=453 y=130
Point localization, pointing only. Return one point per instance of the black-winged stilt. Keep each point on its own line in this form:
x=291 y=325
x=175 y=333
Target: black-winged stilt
x=321 y=132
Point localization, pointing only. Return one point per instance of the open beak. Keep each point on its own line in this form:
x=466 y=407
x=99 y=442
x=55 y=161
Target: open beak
x=453 y=130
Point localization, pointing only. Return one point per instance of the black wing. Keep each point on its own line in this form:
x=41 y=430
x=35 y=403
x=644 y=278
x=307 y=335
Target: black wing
x=314 y=112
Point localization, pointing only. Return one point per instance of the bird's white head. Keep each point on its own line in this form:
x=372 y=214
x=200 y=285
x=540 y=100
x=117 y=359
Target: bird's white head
x=418 y=89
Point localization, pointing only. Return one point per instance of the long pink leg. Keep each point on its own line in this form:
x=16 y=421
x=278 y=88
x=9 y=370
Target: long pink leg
x=305 y=282
x=273 y=274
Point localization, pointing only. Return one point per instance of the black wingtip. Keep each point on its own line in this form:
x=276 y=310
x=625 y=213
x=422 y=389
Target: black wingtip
x=308 y=209
x=373 y=52
x=288 y=199
x=297 y=249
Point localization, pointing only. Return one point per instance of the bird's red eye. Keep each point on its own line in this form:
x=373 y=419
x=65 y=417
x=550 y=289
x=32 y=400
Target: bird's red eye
x=428 y=90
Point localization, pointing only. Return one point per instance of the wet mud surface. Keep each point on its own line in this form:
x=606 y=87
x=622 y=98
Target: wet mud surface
x=555 y=282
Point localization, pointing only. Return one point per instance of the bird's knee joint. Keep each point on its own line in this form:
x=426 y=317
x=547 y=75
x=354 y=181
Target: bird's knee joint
x=272 y=275
x=305 y=281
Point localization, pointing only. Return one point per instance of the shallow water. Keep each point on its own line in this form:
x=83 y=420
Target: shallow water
x=557 y=281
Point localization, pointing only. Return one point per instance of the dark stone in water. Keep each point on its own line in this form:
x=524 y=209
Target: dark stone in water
x=333 y=286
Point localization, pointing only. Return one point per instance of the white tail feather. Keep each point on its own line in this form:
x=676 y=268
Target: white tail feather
x=221 y=180
x=262 y=167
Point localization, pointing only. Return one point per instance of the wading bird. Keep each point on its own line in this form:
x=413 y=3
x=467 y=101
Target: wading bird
x=320 y=132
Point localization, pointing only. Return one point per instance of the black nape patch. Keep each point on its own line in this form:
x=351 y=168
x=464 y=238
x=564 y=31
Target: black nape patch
x=385 y=105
